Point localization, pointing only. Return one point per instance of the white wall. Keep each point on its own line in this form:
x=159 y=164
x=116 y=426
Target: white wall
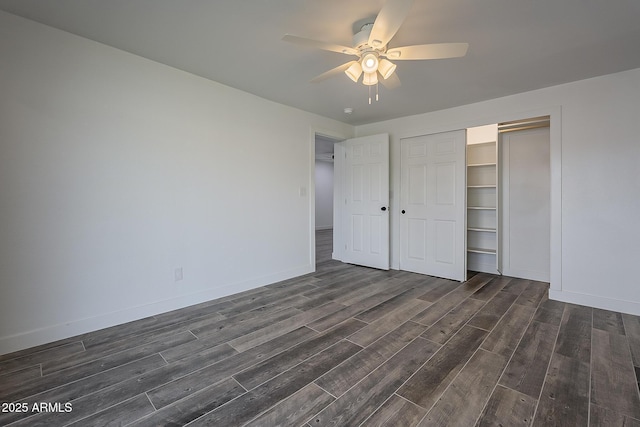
x=115 y=170
x=324 y=195
x=596 y=199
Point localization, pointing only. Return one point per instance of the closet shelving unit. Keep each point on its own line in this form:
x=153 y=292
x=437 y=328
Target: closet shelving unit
x=482 y=205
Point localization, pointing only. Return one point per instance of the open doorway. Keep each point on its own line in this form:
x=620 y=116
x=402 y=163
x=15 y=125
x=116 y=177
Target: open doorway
x=324 y=177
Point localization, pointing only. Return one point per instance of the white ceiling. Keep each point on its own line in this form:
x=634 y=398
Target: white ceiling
x=515 y=45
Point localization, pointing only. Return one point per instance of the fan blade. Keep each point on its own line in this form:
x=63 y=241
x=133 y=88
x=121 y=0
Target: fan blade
x=428 y=51
x=301 y=41
x=391 y=83
x=333 y=72
x=388 y=22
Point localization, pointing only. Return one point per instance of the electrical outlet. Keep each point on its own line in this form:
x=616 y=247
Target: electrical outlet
x=177 y=274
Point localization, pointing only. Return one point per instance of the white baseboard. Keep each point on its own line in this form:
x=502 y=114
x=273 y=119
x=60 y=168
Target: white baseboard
x=23 y=340
x=588 y=300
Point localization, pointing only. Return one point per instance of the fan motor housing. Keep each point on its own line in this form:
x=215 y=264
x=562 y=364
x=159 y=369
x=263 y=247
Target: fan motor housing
x=361 y=38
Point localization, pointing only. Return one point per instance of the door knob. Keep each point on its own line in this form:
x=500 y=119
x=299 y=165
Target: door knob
x=384 y=208
x=403 y=211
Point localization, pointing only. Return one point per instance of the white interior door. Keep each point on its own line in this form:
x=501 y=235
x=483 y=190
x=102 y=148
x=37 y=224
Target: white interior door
x=365 y=190
x=526 y=207
x=432 y=203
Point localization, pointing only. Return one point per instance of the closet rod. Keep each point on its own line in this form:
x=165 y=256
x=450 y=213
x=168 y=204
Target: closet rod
x=532 y=123
x=534 y=126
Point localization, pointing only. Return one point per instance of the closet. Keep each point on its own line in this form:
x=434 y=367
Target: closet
x=508 y=198
x=482 y=199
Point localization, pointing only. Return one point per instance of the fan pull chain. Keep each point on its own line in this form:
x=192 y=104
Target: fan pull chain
x=376 y=92
x=369 y=95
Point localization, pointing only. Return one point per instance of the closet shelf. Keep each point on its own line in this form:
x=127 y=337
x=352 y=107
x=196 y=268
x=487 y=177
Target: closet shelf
x=482 y=251
x=480 y=164
x=482 y=229
x=482 y=200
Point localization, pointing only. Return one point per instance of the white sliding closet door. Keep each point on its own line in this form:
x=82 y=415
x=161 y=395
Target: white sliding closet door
x=526 y=207
x=432 y=203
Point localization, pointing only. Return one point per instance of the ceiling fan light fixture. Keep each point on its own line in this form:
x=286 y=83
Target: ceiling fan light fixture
x=370 y=79
x=386 y=68
x=354 y=71
x=369 y=62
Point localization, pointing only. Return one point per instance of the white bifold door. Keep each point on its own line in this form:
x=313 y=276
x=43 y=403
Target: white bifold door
x=365 y=194
x=432 y=205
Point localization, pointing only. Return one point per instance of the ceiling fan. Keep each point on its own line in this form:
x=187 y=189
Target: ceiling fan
x=370 y=46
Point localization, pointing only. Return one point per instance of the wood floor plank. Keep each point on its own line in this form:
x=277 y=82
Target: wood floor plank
x=94 y=402
x=193 y=406
x=565 y=396
x=426 y=386
x=92 y=361
x=362 y=400
x=392 y=287
x=527 y=368
x=388 y=323
x=275 y=297
x=533 y=294
x=245 y=323
x=205 y=376
x=516 y=286
x=463 y=401
x=332 y=319
x=613 y=383
x=200 y=346
x=296 y=409
x=609 y=321
x=75 y=373
x=506 y=335
x=348 y=373
x=451 y=322
x=70 y=392
x=279 y=363
x=396 y=411
x=120 y=414
x=491 y=289
x=491 y=313
x=444 y=305
x=550 y=312
x=263 y=397
x=270 y=331
x=507 y=407
x=54 y=353
x=39 y=348
x=632 y=330
x=574 y=338
x=477 y=281
x=175 y=321
x=440 y=289
x=12 y=379
x=604 y=417
x=389 y=305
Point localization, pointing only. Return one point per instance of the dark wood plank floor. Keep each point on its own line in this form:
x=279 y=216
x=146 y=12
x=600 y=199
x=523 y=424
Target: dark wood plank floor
x=346 y=345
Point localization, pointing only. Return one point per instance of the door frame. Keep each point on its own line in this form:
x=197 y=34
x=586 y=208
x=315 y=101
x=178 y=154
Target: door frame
x=336 y=136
